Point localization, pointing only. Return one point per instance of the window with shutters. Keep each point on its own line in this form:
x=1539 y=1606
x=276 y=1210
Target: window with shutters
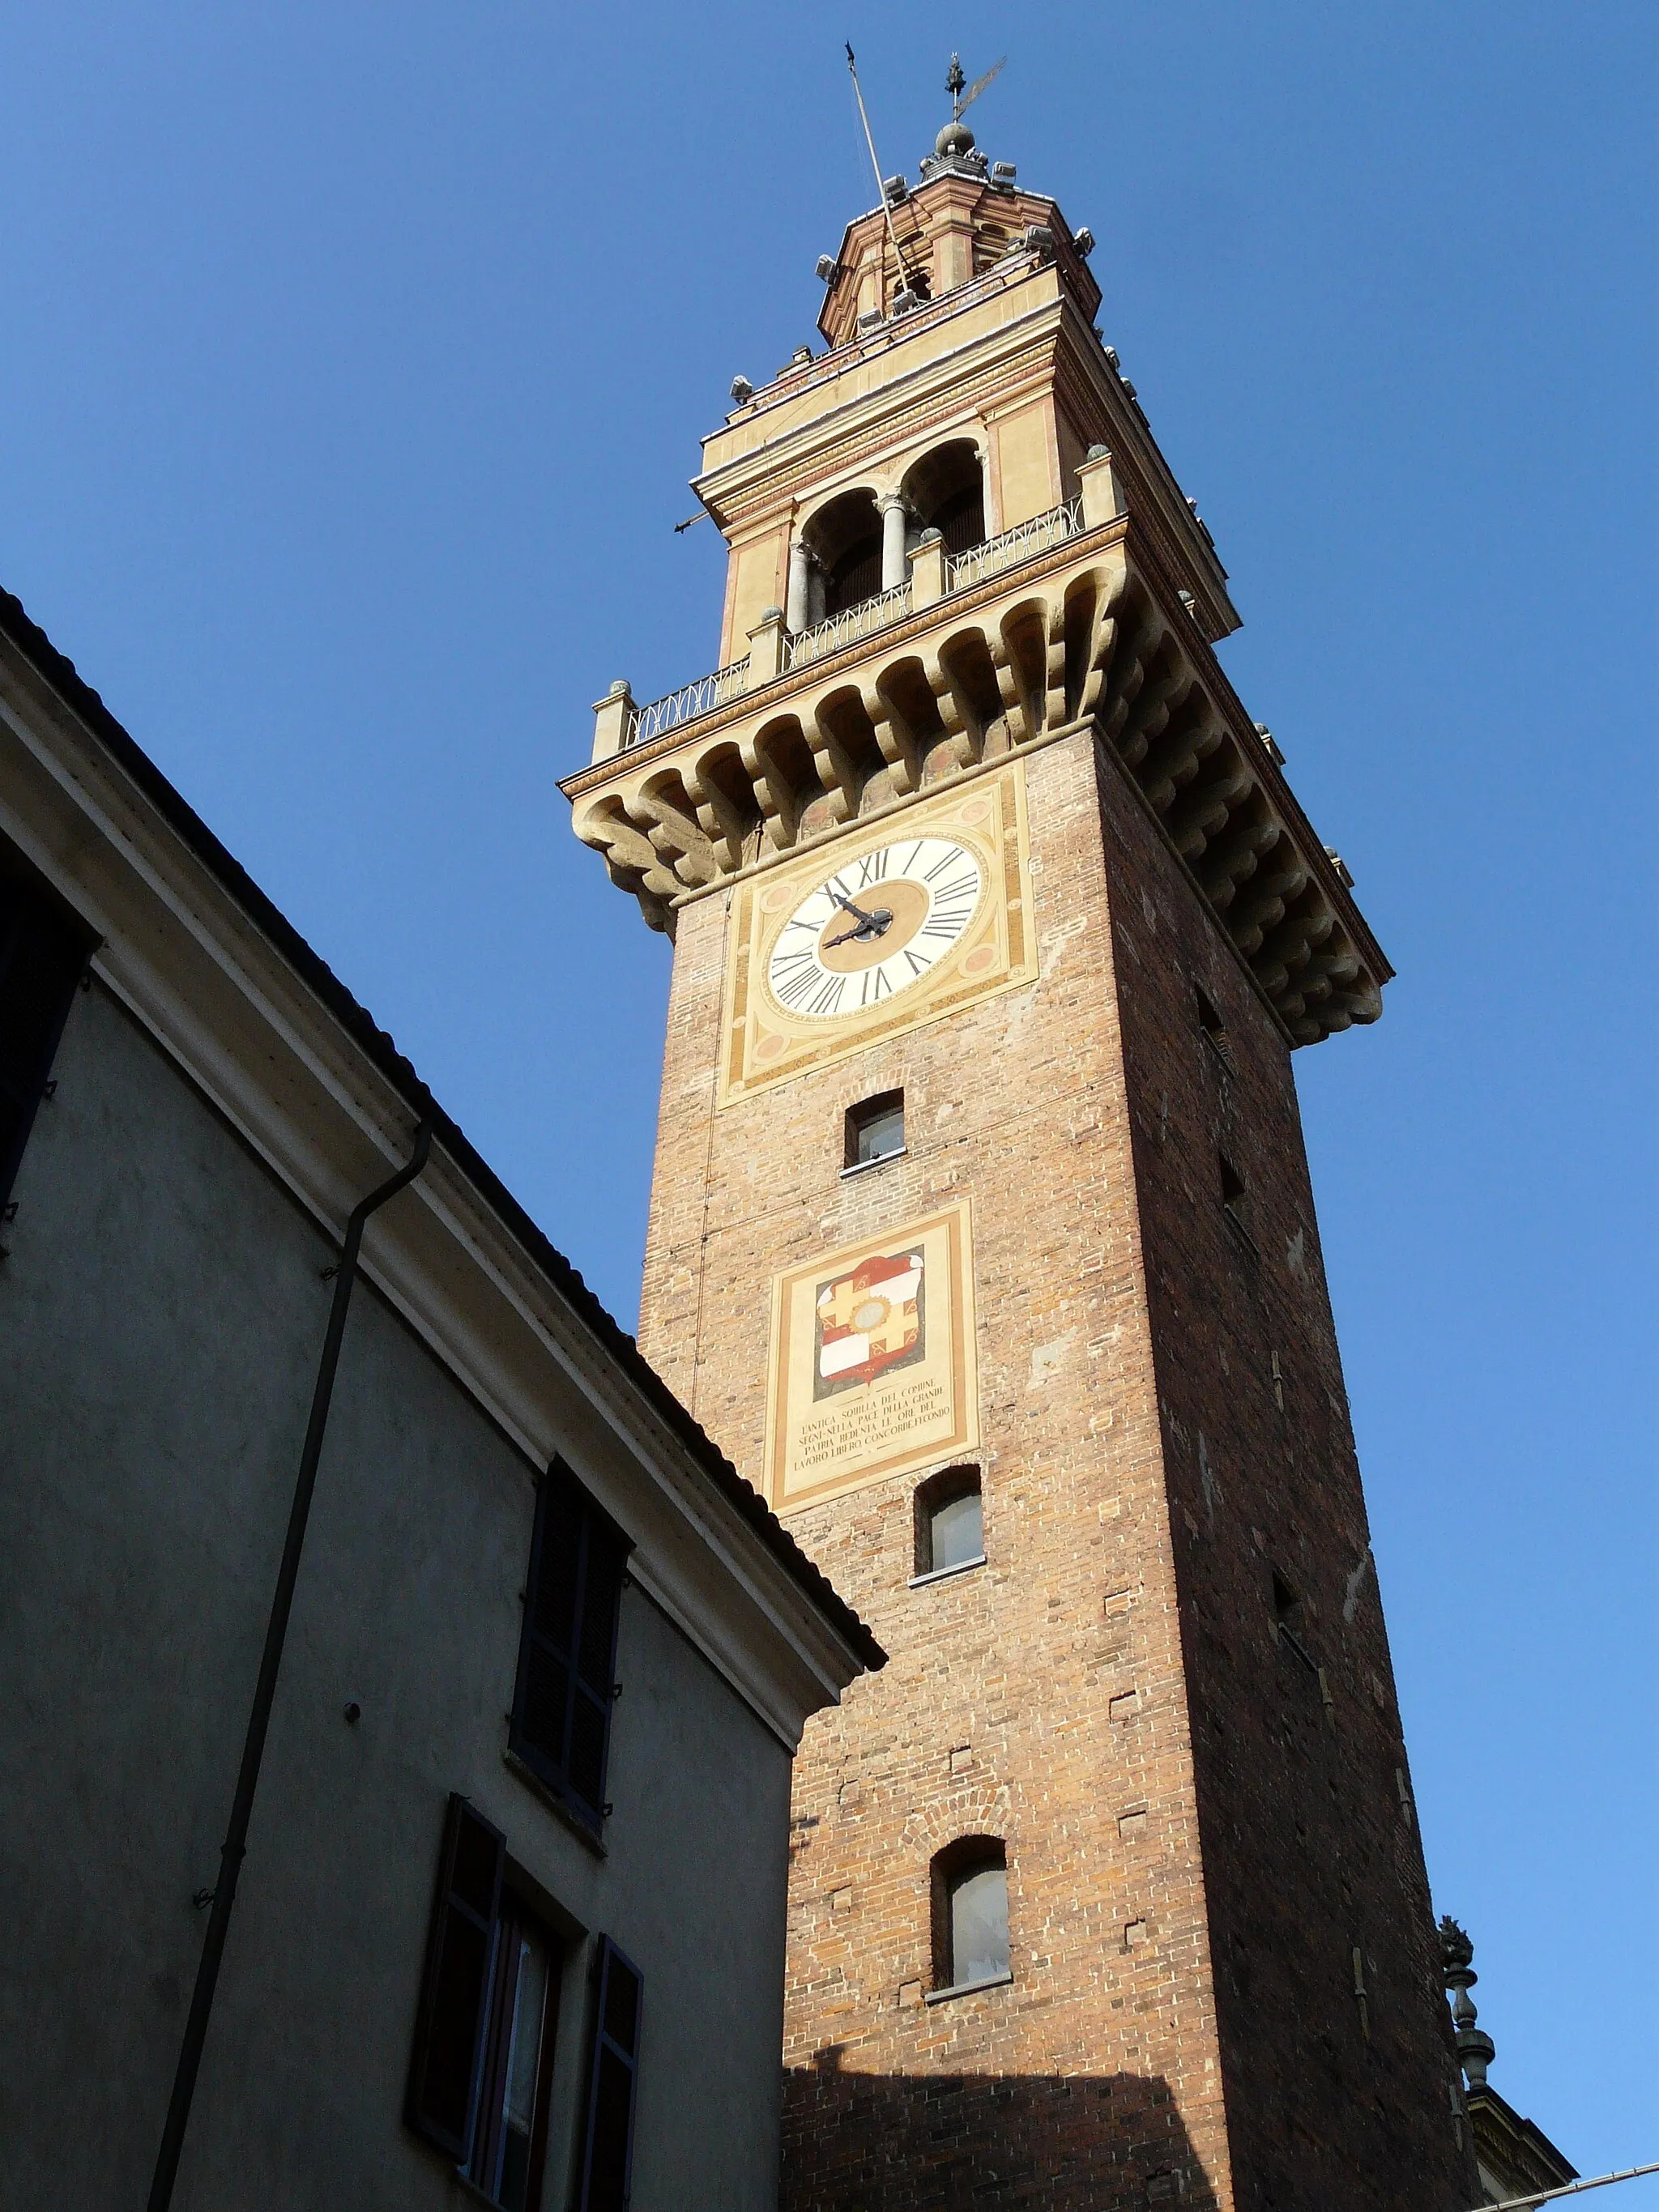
x=607 y=2160
x=561 y=1726
x=480 y=2080
x=42 y=956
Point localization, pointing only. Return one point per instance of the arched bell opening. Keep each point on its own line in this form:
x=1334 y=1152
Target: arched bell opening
x=945 y=490
x=843 y=544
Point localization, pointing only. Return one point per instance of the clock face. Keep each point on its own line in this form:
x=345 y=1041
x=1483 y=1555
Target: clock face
x=874 y=929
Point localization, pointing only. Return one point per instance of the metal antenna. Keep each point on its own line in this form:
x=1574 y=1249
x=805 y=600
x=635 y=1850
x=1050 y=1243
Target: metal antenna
x=881 y=192
x=955 y=81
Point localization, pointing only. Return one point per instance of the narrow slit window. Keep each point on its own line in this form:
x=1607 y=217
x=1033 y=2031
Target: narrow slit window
x=875 y=1129
x=1234 y=1197
x=1210 y=1021
x=949 y=1521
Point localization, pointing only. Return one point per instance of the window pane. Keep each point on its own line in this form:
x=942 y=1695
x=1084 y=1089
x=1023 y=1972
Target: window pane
x=882 y=1134
x=958 y=1530
x=979 y=1925
x=523 y=2068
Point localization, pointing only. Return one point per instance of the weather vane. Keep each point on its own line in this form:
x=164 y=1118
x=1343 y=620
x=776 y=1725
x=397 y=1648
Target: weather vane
x=955 y=81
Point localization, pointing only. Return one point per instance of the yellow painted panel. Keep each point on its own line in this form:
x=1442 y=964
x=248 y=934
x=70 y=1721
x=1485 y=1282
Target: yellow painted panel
x=1026 y=466
x=756 y=583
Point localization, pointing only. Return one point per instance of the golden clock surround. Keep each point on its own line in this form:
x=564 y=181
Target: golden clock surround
x=763 y=1045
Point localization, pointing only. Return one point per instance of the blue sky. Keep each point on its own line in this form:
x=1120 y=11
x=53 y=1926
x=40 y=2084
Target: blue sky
x=352 y=365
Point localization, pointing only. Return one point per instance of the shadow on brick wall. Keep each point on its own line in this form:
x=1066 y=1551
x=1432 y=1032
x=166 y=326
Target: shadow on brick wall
x=967 y=2142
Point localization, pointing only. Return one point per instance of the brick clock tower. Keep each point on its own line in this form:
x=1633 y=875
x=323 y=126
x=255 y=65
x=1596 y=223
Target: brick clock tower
x=982 y=1238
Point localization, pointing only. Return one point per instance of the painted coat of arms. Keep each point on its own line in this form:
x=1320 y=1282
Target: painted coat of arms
x=869 y=1321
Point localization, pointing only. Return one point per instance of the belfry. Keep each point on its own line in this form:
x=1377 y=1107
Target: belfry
x=981 y=1240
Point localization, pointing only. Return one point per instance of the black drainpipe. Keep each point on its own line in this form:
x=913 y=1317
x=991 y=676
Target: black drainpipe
x=247 y=1781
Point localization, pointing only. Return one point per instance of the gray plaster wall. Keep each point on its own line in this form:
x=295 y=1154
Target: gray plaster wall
x=162 y=1310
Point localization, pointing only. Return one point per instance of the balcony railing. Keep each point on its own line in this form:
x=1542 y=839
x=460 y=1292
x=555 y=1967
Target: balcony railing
x=1012 y=546
x=961 y=570
x=827 y=637
x=688 y=702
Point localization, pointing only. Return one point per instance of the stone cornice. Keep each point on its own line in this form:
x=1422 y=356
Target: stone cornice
x=1092 y=629
x=324 y=1101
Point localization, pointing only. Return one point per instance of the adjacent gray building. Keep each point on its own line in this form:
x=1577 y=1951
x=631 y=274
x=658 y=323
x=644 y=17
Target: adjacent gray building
x=511 y=1922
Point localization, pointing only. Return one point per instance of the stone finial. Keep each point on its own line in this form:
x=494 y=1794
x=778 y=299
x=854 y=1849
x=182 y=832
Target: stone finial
x=1475 y=2049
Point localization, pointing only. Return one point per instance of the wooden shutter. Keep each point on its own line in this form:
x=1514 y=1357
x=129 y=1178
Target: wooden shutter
x=607 y=2171
x=41 y=960
x=567 y=1651
x=443 y=2080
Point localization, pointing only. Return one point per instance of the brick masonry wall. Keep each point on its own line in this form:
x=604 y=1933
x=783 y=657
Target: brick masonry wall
x=1306 y=1825
x=1172 y=1933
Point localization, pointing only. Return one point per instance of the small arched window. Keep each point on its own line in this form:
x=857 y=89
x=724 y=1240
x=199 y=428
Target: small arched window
x=970 y=1914
x=950 y=1523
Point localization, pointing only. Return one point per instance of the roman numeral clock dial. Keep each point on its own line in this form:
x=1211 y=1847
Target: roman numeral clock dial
x=859 y=941
x=872 y=931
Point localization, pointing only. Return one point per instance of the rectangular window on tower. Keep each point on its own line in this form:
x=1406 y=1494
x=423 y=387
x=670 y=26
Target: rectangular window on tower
x=567 y=1683
x=875 y=1130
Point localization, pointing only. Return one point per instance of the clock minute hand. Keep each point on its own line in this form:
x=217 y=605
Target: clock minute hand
x=877 y=921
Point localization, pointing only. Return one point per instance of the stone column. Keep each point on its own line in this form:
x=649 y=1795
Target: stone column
x=795 y=611
x=993 y=521
x=891 y=508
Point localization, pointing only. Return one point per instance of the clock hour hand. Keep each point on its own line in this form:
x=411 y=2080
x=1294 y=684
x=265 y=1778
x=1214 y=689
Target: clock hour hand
x=875 y=925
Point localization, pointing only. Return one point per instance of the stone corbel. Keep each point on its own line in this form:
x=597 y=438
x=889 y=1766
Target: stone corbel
x=894 y=740
x=835 y=771
x=773 y=793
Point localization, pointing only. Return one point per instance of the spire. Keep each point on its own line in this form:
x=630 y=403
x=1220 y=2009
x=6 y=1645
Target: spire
x=1475 y=2049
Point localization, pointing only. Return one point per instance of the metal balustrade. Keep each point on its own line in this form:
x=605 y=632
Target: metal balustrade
x=688 y=702
x=961 y=570
x=827 y=637
x=1012 y=546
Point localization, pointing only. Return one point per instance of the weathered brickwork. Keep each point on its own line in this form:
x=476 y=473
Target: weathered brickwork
x=1199 y=1830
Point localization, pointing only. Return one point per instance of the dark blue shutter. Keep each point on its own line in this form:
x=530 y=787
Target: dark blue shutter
x=443 y=2080
x=41 y=959
x=607 y=2171
x=568 y=1652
